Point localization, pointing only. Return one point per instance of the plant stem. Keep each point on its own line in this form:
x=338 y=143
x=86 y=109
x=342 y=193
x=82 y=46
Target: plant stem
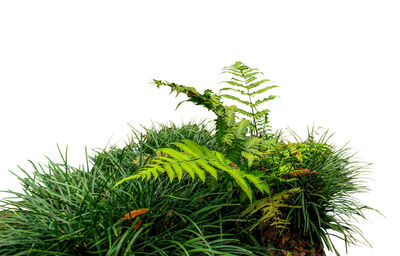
x=251 y=103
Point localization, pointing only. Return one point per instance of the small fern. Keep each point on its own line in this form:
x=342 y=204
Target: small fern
x=245 y=82
x=196 y=160
x=270 y=207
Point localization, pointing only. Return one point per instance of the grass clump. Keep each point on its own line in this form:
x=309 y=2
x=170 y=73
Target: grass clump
x=241 y=189
x=76 y=211
x=321 y=180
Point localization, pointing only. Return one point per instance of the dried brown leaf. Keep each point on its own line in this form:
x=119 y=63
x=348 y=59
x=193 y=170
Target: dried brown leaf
x=135 y=213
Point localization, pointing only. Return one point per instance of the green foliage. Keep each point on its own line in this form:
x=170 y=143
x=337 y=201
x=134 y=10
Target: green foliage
x=226 y=115
x=231 y=137
x=231 y=134
x=270 y=208
x=328 y=177
x=148 y=141
x=246 y=84
x=195 y=159
x=162 y=135
x=305 y=186
x=284 y=159
x=76 y=211
x=287 y=167
x=208 y=99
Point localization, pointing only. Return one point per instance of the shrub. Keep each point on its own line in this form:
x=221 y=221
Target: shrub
x=235 y=188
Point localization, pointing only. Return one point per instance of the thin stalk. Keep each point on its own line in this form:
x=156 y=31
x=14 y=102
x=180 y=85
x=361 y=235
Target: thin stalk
x=251 y=103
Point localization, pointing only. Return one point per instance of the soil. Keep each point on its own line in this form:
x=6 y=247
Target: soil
x=288 y=243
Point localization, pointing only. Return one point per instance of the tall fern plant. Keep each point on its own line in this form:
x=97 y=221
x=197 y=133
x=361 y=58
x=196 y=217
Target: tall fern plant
x=247 y=86
x=236 y=152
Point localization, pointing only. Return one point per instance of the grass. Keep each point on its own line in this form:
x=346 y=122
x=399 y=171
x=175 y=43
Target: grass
x=65 y=210
x=326 y=203
x=76 y=211
x=271 y=196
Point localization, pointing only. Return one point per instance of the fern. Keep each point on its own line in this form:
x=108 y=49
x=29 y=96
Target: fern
x=251 y=151
x=196 y=160
x=208 y=99
x=245 y=82
x=230 y=133
x=270 y=207
x=237 y=151
x=226 y=115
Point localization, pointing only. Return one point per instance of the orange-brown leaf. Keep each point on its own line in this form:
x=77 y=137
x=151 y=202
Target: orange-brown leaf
x=135 y=213
x=138 y=223
x=233 y=165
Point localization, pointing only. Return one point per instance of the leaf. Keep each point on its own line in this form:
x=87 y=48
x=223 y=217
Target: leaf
x=180 y=103
x=251 y=74
x=243 y=112
x=263 y=89
x=170 y=171
x=238 y=74
x=242 y=129
x=235 y=84
x=251 y=79
x=235 y=90
x=208 y=168
x=262 y=113
x=258 y=102
x=135 y=213
x=178 y=170
x=235 y=99
x=250 y=158
x=185 y=166
x=197 y=170
x=260 y=185
x=270 y=207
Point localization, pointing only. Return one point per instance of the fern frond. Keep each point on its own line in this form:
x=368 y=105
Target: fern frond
x=196 y=160
x=208 y=99
x=226 y=115
x=245 y=83
x=251 y=150
x=238 y=140
x=225 y=126
x=270 y=208
x=241 y=129
x=250 y=158
x=253 y=144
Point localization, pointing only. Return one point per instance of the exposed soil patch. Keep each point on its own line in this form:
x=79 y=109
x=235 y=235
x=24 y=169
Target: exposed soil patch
x=290 y=244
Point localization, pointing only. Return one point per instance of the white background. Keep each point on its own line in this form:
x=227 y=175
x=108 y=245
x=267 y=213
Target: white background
x=77 y=72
